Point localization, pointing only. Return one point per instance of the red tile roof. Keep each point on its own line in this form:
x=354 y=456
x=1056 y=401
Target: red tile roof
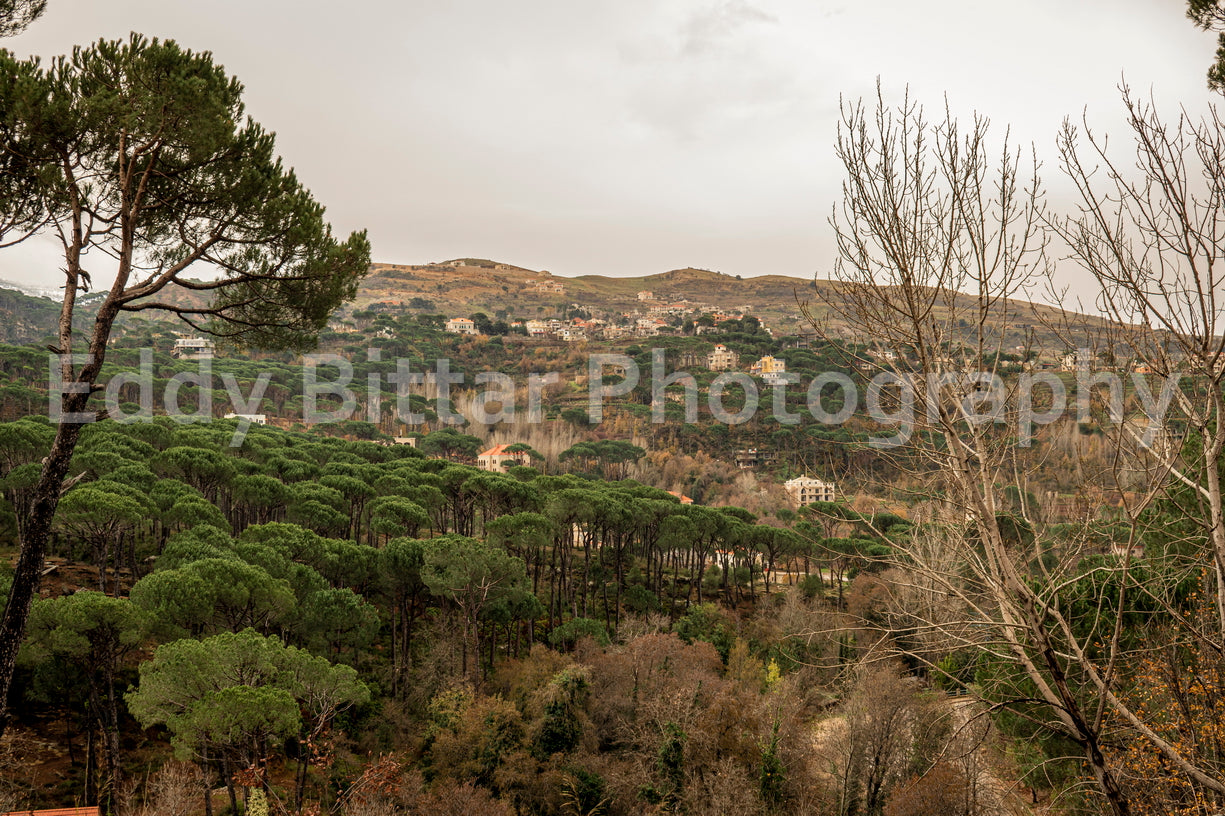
x=81 y=811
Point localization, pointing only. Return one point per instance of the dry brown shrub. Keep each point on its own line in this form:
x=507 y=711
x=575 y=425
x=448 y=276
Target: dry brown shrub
x=177 y=789
x=451 y=799
x=942 y=791
x=728 y=787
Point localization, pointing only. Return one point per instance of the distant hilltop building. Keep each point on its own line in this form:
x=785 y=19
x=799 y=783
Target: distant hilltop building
x=722 y=359
x=461 y=325
x=806 y=490
x=646 y=295
x=193 y=348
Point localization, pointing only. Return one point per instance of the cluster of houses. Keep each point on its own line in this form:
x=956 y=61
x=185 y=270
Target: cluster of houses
x=550 y=286
x=1067 y=362
x=580 y=329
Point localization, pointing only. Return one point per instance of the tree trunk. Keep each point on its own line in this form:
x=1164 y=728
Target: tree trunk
x=34 y=535
x=229 y=785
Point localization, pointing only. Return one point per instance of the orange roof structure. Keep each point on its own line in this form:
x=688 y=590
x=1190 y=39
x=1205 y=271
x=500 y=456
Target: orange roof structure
x=497 y=450
x=80 y=811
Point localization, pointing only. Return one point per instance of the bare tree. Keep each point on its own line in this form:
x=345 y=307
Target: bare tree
x=1151 y=231
x=937 y=243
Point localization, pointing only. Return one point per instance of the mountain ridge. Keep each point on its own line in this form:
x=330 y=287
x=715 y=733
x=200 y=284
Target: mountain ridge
x=463 y=286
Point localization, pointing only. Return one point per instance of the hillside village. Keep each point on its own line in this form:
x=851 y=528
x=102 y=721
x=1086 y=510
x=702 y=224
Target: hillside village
x=392 y=301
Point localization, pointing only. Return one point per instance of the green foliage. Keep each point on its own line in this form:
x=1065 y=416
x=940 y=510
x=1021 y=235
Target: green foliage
x=86 y=626
x=395 y=516
x=1210 y=16
x=706 y=622
x=640 y=599
x=575 y=629
x=609 y=457
x=467 y=570
x=16 y=15
x=446 y=709
x=670 y=765
x=450 y=443
x=583 y=793
x=208 y=184
x=773 y=775
x=238 y=692
x=214 y=594
x=811 y=586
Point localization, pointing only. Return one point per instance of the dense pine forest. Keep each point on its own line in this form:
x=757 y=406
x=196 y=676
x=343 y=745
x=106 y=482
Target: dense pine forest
x=339 y=623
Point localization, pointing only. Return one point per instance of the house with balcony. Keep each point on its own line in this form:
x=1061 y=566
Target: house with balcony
x=806 y=490
x=461 y=325
x=722 y=359
x=193 y=348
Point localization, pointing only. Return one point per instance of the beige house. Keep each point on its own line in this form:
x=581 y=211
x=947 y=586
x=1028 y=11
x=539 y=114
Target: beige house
x=722 y=359
x=498 y=459
x=806 y=490
x=461 y=325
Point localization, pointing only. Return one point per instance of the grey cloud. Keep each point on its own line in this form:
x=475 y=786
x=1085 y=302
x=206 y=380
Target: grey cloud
x=712 y=28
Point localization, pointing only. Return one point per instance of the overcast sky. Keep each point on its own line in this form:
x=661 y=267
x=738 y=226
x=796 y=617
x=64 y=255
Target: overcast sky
x=635 y=136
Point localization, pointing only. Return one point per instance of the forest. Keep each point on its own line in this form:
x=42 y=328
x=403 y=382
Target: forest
x=335 y=624
x=1016 y=604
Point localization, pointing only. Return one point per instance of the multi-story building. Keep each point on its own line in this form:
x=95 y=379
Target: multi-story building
x=771 y=369
x=806 y=490
x=193 y=348
x=722 y=359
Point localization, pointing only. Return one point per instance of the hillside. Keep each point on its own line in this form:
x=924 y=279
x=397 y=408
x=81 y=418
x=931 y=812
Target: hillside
x=29 y=319
x=464 y=286
x=467 y=285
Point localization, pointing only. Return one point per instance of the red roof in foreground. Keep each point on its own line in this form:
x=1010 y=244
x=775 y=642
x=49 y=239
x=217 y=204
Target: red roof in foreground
x=82 y=811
